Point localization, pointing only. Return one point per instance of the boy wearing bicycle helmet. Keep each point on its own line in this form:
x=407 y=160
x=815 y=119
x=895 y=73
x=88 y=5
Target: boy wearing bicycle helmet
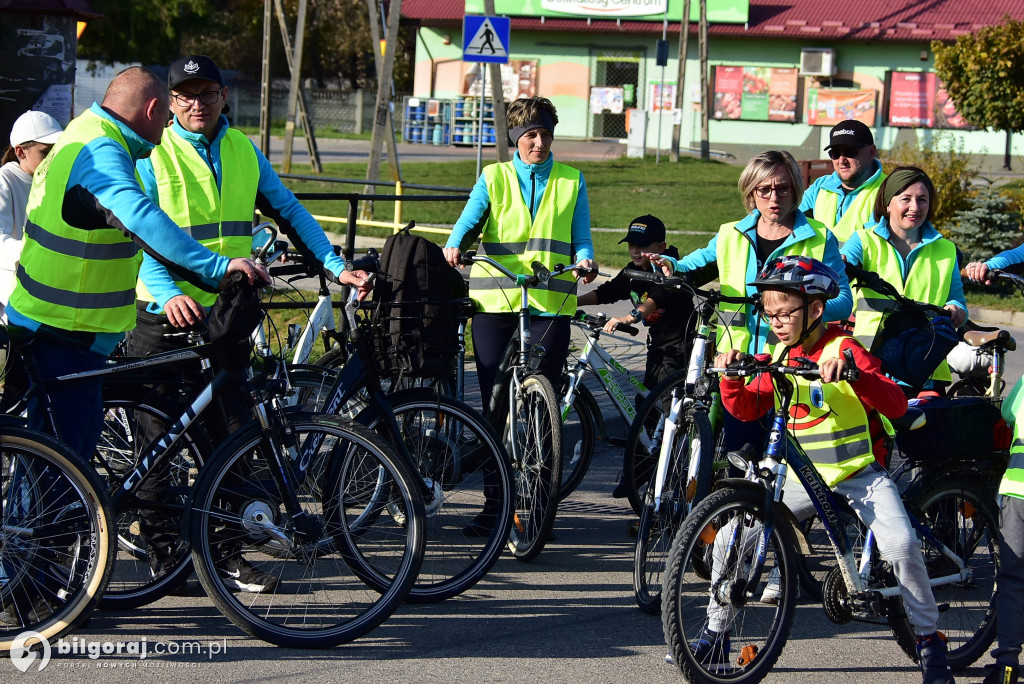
x=834 y=420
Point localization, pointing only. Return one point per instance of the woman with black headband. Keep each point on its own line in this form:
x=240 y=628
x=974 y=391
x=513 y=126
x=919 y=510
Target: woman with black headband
x=904 y=249
x=529 y=209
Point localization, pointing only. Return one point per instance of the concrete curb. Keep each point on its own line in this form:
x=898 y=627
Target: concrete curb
x=997 y=317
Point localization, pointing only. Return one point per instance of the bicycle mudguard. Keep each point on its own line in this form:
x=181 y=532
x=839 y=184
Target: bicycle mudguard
x=798 y=537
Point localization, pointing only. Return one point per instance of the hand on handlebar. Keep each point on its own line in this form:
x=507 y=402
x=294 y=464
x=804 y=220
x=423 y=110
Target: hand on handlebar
x=360 y=280
x=957 y=314
x=252 y=270
x=726 y=359
x=453 y=255
x=183 y=311
x=589 y=266
x=978 y=272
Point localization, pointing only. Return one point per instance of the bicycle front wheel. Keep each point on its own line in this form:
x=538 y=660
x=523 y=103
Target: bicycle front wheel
x=532 y=436
x=961 y=515
x=579 y=430
x=691 y=452
x=58 y=537
x=719 y=629
x=461 y=458
x=644 y=440
x=295 y=578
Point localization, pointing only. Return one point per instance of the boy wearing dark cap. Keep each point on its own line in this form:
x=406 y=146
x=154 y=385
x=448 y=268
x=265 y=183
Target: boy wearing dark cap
x=844 y=199
x=667 y=312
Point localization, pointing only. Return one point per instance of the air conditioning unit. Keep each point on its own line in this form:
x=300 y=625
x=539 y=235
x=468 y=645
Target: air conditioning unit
x=817 y=62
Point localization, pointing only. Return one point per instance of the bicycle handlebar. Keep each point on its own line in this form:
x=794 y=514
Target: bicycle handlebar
x=597 y=321
x=683 y=282
x=883 y=287
x=541 y=273
x=755 y=364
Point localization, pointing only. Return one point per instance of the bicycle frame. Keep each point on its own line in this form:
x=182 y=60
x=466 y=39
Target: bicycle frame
x=598 y=361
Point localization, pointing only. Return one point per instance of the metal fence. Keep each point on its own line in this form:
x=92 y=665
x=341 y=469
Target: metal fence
x=343 y=111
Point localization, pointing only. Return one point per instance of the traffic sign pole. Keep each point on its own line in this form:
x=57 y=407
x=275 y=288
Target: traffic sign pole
x=480 y=123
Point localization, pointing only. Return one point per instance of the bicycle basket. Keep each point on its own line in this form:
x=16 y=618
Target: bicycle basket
x=958 y=429
x=417 y=338
x=912 y=343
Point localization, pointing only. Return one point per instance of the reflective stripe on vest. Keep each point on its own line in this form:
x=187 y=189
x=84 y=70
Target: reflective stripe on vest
x=857 y=215
x=219 y=219
x=733 y=252
x=1013 y=479
x=830 y=423
x=72 y=278
x=928 y=281
x=514 y=240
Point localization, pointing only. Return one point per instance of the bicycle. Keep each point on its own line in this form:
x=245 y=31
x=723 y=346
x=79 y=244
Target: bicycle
x=58 y=542
x=320 y=501
x=524 y=409
x=754 y=536
x=456 y=453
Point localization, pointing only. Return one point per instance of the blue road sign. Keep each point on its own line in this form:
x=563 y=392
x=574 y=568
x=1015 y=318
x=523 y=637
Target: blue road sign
x=485 y=39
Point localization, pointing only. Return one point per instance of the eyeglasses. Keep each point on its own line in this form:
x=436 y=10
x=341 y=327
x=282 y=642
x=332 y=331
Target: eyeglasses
x=837 y=152
x=765 y=191
x=207 y=97
x=782 y=317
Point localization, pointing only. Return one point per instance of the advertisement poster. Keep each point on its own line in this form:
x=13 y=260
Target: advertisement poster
x=755 y=93
x=518 y=79
x=718 y=11
x=606 y=100
x=661 y=96
x=828 y=106
x=918 y=100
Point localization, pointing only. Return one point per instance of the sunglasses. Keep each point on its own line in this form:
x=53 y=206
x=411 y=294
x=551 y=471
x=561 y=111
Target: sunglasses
x=837 y=152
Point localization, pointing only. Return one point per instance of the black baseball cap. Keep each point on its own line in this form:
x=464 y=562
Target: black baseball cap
x=191 y=67
x=850 y=133
x=645 y=230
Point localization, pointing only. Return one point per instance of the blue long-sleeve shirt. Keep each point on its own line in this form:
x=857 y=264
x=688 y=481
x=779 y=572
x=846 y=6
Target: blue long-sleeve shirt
x=533 y=178
x=103 y=188
x=273 y=199
x=832 y=183
x=1007 y=258
x=836 y=309
x=853 y=250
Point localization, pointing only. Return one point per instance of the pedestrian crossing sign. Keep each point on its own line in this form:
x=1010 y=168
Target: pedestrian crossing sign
x=485 y=39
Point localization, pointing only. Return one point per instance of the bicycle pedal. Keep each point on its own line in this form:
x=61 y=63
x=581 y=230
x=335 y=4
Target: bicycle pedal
x=747 y=655
x=518 y=523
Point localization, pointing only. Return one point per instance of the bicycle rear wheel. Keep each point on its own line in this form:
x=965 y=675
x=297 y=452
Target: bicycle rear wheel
x=644 y=439
x=153 y=557
x=658 y=524
x=532 y=435
x=360 y=508
x=461 y=457
x=579 y=431
x=58 y=540
x=716 y=629
x=960 y=513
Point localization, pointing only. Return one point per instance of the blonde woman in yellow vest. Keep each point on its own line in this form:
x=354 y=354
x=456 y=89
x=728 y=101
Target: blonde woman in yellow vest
x=844 y=199
x=834 y=422
x=904 y=249
x=88 y=221
x=771 y=188
x=529 y=209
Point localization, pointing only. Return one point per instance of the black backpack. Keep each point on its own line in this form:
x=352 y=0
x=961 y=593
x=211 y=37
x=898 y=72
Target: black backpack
x=418 y=306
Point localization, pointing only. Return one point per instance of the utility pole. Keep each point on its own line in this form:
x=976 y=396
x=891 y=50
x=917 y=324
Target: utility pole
x=684 y=44
x=382 y=112
x=702 y=36
x=265 y=82
x=294 y=67
x=498 y=99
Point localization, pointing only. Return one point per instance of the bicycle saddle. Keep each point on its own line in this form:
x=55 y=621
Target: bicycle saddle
x=979 y=338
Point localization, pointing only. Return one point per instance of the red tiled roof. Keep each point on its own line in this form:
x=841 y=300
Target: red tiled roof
x=873 y=20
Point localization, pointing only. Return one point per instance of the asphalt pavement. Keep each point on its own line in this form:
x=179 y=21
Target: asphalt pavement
x=568 y=616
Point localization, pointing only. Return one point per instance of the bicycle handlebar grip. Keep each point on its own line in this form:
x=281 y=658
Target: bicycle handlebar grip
x=467 y=257
x=851 y=373
x=628 y=329
x=369 y=263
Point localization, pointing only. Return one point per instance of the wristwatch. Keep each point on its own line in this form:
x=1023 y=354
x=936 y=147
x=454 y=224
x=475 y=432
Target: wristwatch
x=637 y=315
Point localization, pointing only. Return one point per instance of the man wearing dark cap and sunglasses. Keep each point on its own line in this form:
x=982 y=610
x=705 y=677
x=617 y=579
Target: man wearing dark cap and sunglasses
x=843 y=200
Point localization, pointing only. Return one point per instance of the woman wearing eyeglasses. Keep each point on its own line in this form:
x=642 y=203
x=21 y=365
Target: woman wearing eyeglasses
x=771 y=187
x=904 y=249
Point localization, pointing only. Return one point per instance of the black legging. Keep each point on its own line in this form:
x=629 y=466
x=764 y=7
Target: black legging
x=491 y=335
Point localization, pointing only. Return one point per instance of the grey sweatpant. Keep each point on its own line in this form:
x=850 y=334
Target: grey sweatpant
x=1010 y=582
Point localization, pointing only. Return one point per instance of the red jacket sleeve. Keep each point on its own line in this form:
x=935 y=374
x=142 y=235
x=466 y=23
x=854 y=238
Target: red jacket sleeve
x=874 y=389
x=748 y=401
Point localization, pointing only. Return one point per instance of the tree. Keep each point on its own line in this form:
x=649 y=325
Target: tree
x=983 y=73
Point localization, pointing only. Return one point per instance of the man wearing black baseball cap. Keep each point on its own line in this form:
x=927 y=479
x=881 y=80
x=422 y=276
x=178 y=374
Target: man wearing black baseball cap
x=210 y=178
x=843 y=200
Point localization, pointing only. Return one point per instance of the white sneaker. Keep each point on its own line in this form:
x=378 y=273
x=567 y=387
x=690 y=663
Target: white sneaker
x=773 y=589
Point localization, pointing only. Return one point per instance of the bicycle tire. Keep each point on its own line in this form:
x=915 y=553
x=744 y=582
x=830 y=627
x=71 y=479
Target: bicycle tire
x=135 y=581
x=320 y=601
x=579 y=431
x=336 y=358
x=961 y=513
x=644 y=439
x=536 y=462
x=468 y=524
x=50 y=492
x=658 y=525
x=758 y=630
